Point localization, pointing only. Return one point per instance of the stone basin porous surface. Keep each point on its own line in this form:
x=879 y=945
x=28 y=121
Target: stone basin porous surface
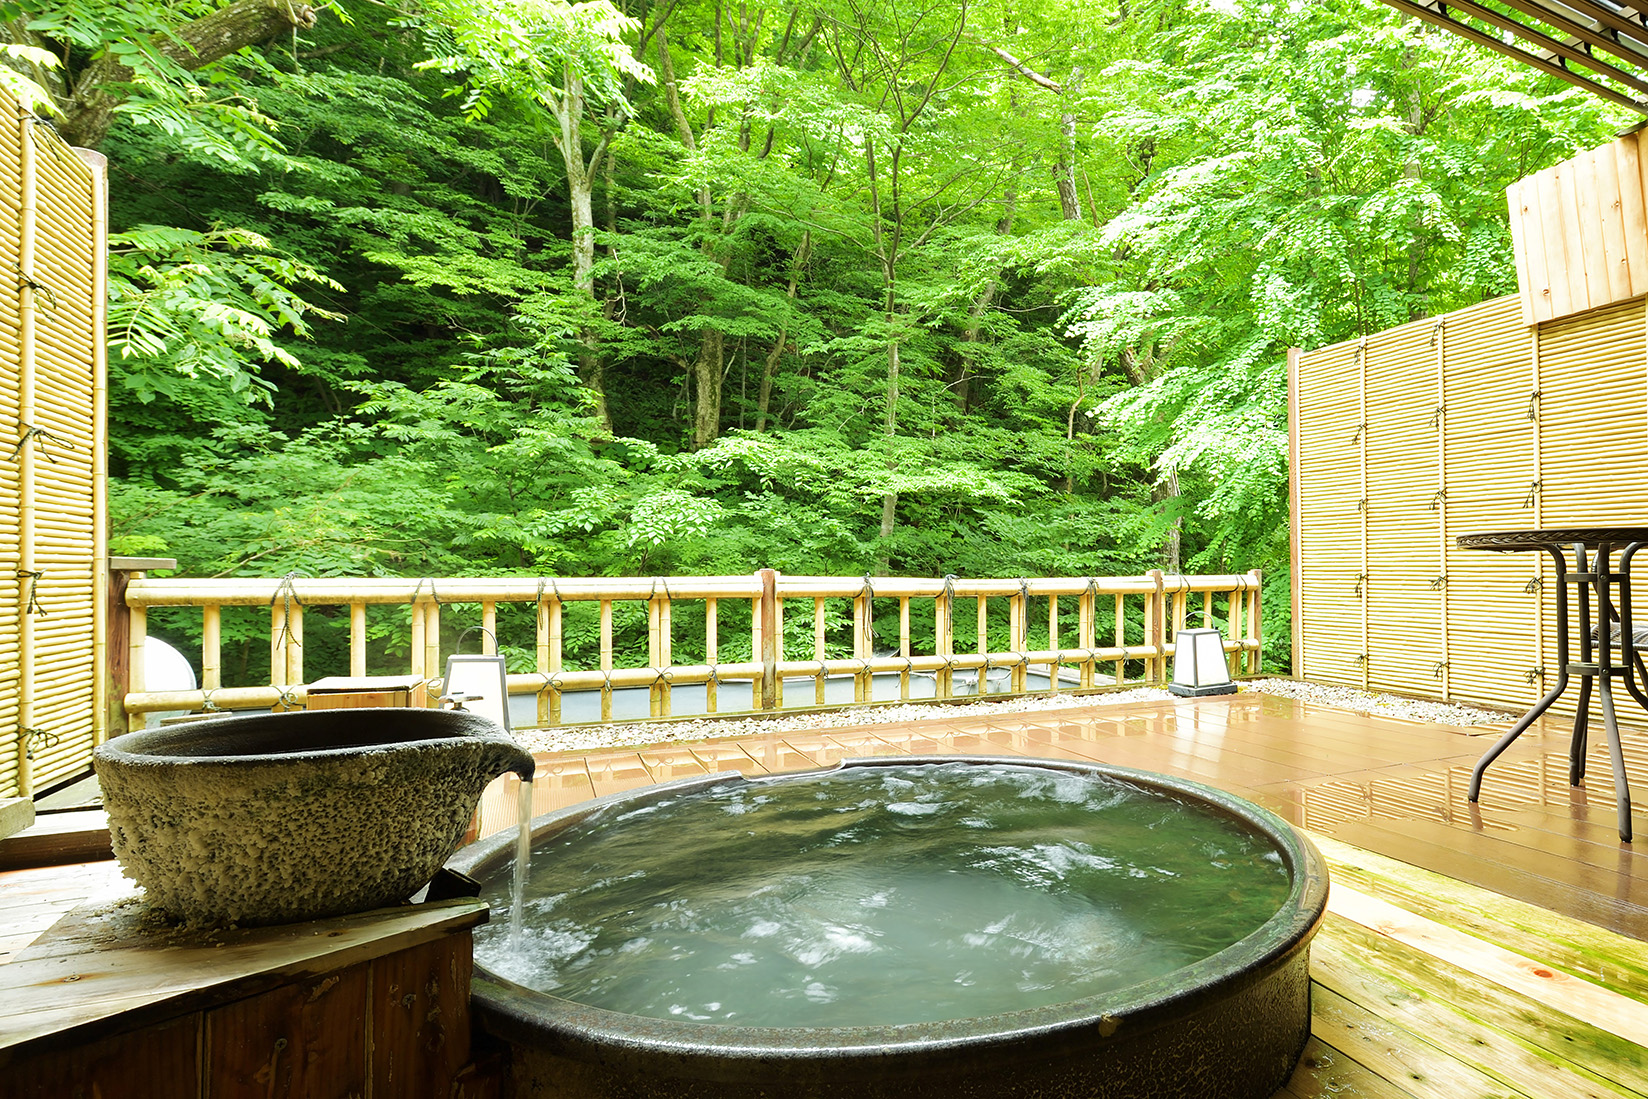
x=276 y=818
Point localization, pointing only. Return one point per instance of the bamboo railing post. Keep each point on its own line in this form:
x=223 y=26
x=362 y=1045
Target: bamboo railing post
x=983 y=643
x=489 y=627
x=1255 y=622
x=655 y=693
x=767 y=625
x=663 y=658
x=1086 y=635
x=294 y=645
x=1018 y=636
x=1053 y=643
x=944 y=640
x=1234 y=629
x=904 y=646
x=820 y=650
x=863 y=611
x=1155 y=627
x=432 y=639
x=416 y=642
x=778 y=650
x=211 y=647
x=277 y=644
x=357 y=638
x=711 y=645
x=606 y=659
x=1121 y=633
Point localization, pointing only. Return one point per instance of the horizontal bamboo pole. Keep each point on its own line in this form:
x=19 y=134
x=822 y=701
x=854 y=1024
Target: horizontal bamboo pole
x=185 y=592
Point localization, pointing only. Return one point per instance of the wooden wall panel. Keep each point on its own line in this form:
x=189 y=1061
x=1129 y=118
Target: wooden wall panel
x=1580 y=232
x=299 y=1041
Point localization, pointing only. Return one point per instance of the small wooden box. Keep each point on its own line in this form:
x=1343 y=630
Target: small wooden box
x=353 y=692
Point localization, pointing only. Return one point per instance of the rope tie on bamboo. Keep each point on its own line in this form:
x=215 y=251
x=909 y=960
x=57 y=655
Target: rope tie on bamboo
x=46 y=738
x=949 y=601
x=666 y=674
x=1533 y=585
x=1362 y=505
x=41 y=437
x=206 y=703
x=1436 y=329
x=1436 y=417
x=1533 y=406
x=867 y=593
x=1437 y=497
x=1361 y=430
x=1361 y=660
x=287 y=589
x=551 y=681
x=35 y=285
x=1533 y=492
x=1438 y=668
x=31 y=601
x=1360 y=577
x=285 y=699
x=1535 y=674
x=1440 y=582
x=823 y=669
x=55 y=148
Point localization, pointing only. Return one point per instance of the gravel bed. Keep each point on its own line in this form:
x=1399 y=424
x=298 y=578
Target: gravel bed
x=634 y=734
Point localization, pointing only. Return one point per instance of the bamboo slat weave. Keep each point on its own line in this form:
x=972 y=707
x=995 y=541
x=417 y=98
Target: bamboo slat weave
x=50 y=343
x=1482 y=424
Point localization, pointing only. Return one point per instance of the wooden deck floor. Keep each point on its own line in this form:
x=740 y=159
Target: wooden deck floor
x=1469 y=952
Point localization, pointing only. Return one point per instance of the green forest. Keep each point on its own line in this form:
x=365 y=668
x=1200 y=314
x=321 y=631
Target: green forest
x=848 y=287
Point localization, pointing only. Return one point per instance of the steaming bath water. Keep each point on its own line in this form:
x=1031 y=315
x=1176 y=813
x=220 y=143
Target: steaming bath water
x=881 y=896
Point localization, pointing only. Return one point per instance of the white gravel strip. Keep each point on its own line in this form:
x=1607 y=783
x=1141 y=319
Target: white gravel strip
x=1347 y=698
x=635 y=734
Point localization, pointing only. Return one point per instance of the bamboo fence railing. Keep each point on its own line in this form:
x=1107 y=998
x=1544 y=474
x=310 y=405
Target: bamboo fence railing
x=1144 y=612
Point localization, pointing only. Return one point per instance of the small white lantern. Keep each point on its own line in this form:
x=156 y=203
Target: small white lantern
x=1199 y=664
x=479 y=684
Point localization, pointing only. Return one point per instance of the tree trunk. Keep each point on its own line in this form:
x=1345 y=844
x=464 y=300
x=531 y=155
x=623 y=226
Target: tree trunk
x=88 y=113
x=1164 y=490
x=706 y=376
x=763 y=400
x=569 y=113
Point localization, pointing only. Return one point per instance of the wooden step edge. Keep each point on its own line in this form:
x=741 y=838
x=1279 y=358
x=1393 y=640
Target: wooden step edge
x=1596 y=954
x=1538 y=980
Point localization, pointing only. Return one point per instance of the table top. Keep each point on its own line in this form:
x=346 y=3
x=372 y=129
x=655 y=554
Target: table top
x=1556 y=536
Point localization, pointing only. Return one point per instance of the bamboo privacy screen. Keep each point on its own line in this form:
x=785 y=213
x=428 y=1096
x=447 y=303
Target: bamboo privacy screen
x=1453 y=425
x=51 y=345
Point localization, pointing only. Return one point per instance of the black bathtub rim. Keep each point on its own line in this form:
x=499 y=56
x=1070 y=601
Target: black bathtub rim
x=517 y=1013
x=434 y=730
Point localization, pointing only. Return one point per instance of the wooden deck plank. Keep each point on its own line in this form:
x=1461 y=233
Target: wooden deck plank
x=1374 y=970
x=1325 y=1073
x=1534 y=978
x=1399 y=1055
x=1611 y=960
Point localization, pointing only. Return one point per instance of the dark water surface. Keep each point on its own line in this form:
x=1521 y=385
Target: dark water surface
x=881 y=895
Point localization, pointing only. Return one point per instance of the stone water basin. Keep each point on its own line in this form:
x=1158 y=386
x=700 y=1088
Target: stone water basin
x=276 y=818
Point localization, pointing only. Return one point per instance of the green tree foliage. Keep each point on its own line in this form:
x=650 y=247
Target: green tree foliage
x=999 y=287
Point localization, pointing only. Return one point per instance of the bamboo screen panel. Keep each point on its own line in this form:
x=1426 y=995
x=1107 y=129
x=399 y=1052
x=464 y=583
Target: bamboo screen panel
x=1403 y=508
x=50 y=350
x=1469 y=422
x=1329 y=524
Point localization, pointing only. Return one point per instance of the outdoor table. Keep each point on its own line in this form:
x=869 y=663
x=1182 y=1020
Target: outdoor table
x=1597 y=582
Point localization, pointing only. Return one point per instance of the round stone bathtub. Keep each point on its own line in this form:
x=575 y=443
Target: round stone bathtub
x=1228 y=1025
